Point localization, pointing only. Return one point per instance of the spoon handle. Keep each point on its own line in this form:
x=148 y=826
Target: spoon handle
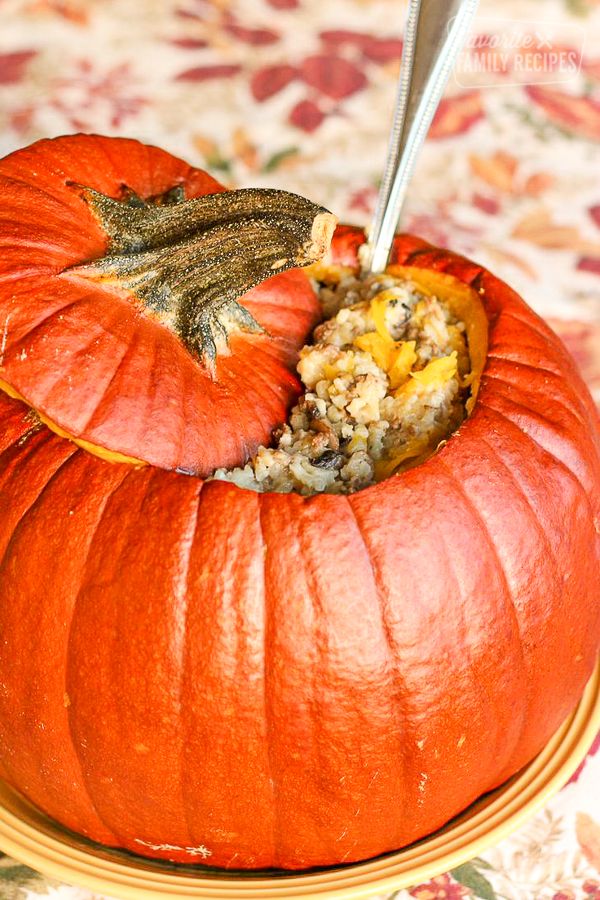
x=435 y=33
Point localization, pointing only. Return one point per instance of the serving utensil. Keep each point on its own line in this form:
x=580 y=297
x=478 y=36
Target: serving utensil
x=435 y=33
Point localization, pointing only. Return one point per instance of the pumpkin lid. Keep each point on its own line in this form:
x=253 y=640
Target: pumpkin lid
x=120 y=274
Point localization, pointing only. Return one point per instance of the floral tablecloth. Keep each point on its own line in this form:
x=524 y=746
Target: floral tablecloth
x=297 y=94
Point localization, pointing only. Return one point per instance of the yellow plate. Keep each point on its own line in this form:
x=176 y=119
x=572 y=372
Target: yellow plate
x=30 y=837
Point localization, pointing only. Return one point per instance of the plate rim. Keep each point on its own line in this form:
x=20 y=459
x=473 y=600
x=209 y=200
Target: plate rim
x=454 y=844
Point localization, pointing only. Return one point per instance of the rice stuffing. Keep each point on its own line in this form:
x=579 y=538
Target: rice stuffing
x=385 y=384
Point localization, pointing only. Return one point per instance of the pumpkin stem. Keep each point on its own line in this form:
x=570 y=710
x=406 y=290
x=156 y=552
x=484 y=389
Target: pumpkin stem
x=188 y=261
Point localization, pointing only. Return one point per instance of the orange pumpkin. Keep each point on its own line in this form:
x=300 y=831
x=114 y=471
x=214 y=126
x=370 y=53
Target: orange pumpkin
x=78 y=346
x=197 y=672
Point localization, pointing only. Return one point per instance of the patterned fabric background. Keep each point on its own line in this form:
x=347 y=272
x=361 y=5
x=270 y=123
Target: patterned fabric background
x=297 y=94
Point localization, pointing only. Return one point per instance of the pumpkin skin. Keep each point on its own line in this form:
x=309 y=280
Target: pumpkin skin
x=204 y=674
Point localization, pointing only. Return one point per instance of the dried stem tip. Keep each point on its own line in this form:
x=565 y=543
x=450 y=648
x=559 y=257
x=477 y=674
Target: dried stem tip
x=188 y=261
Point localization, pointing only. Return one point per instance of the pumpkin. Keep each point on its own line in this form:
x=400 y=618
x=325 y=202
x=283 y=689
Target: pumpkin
x=200 y=673
x=129 y=383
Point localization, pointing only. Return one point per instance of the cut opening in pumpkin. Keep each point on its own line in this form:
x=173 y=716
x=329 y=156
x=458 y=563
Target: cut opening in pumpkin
x=392 y=373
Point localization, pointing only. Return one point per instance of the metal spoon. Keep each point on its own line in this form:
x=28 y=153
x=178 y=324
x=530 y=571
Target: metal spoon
x=435 y=32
